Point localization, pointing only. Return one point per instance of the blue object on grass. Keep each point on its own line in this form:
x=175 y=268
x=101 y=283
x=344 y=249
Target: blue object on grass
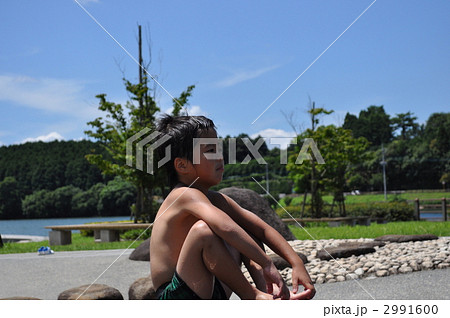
x=45 y=250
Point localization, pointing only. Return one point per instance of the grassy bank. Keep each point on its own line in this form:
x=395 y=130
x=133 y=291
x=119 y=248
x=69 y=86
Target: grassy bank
x=372 y=231
x=366 y=198
x=79 y=243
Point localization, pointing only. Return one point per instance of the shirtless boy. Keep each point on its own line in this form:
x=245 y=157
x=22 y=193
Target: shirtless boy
x=200 y=237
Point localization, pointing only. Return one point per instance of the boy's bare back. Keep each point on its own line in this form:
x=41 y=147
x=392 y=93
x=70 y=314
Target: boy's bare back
x=173 y=222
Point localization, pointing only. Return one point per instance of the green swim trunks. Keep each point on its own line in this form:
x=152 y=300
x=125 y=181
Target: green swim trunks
x=178 y=289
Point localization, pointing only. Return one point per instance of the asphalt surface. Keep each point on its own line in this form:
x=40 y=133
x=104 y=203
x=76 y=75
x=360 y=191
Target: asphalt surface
x=45 y=277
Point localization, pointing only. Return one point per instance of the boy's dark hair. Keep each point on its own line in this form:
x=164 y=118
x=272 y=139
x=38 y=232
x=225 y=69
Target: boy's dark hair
x=182 y=131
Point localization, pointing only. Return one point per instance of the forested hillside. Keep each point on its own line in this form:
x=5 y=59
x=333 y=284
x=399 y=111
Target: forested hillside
x=50 y=165
x=54 y=179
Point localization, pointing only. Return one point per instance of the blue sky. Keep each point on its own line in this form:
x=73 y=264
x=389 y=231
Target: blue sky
x=241 y=55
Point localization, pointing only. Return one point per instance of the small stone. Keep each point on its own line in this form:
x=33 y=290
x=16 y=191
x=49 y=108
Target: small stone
x=340 y=278
x=443 y=265
x=329 y=276
x=393 y=271
x=320 y=280
x=382 y=273
x=414 y=266
x=427 y=265
x=369 y=264
x=405 y=269
x=351 y=276
x=331 y=280
x=359 y=272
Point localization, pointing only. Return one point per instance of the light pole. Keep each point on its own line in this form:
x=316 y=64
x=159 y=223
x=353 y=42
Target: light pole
x=383 y=163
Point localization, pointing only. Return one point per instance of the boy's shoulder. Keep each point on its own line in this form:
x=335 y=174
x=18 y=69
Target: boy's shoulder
x=186 y=194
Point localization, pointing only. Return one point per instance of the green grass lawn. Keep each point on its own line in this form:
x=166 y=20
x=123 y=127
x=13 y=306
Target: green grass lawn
x=365 y=198
x=372 y=231
x=79 y=243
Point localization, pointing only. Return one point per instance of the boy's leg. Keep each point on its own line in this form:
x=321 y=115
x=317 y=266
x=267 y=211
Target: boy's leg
x=253 y=268
x=203 y=256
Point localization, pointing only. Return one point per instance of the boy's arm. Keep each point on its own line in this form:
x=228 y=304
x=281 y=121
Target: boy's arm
x=195 y=203
x=267 y=234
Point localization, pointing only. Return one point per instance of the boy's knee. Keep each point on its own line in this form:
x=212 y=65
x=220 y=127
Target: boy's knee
x=202 y=230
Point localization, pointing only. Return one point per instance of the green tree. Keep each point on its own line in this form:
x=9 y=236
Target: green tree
x=10 y=201
x=308 y=176
x=61 y=200
x=38 y=205
x=122 y=122
x=85 y=203
x=340 y=151
x=116 y=198
x=406 y=123
x=373 y=124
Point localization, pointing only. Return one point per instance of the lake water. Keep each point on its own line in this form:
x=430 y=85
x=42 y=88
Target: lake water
x=37 y=226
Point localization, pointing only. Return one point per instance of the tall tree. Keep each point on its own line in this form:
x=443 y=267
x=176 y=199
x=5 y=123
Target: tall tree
x=373 y=124
x=308 y=176
x=407 y=124
x=340 y=151
x=122 y=122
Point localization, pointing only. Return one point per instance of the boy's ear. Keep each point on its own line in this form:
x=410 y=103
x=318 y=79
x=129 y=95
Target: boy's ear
x=181 y=165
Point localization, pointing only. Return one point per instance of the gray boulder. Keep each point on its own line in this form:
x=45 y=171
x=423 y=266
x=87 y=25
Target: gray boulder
x=346 y=250
x=406 y=238
x=142 y=289
x=142 y=252
x=252 y=201
x=94 y=292
x=280 y=263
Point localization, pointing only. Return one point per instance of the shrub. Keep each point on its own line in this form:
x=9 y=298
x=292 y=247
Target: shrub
x=132 y=235
x=390 y=211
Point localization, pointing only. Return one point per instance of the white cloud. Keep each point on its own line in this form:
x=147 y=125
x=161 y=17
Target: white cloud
x=276 y=138
x=63 y=96
x=242 y=76
x=50 y=137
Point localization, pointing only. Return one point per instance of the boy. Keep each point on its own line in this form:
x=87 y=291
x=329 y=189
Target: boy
x=199 y=237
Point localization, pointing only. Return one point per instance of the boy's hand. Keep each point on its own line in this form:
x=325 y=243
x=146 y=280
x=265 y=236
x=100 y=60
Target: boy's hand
x=272 y=276
x=301 y=276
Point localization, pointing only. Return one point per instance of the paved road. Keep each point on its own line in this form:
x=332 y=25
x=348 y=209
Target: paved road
x=45 y=277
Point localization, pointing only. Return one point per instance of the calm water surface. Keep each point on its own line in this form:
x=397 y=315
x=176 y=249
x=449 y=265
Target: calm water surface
x=37 y=226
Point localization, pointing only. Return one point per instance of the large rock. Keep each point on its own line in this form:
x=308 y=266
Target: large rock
x=142 y=252
x=406 y=238
x=346 y=250
x=20 y=298
x=94 y=292
x=280 y=263
x=252 y=201
x=142 y=289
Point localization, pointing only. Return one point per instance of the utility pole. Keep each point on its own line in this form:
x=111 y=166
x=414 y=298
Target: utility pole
x=267 y=177
x=383 y=163
x=140 y=55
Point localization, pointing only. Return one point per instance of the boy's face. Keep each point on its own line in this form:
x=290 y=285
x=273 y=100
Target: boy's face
x=208 y=165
